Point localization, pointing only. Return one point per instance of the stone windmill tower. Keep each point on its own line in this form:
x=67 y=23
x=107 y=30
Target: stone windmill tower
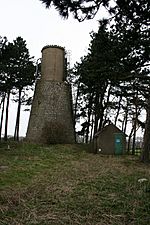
x=51 y=118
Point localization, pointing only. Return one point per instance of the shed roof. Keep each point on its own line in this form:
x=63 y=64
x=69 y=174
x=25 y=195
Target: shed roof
x=106 y=127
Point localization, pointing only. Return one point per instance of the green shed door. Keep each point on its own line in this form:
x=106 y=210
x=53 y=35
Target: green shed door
x=118 y=144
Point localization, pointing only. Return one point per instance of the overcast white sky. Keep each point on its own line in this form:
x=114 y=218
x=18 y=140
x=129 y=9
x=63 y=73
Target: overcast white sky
x=39 y=27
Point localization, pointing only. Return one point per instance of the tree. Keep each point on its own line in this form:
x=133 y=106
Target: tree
x=131 y=25
x=3 y=95
x=132 y=20
x=7 y=77
x=146 y=149
x=17 y=71
x=3 y=42
x=24 y=75
x=81 y=10
x=96 y=73
x=111 y=60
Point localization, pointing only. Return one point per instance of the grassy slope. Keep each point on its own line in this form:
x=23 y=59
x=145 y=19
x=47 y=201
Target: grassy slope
x=63 y=184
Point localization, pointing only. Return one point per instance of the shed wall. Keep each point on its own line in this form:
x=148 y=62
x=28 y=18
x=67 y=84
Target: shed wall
x=106 y=140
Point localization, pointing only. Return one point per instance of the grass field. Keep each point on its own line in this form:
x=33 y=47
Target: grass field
x=64 y=184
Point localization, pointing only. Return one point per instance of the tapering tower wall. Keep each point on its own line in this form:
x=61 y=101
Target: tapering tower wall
x=51 y=117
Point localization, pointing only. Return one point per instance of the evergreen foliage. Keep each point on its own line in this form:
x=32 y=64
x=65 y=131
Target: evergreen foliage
x=81 y=10
x=17 y=71
x=120 y=59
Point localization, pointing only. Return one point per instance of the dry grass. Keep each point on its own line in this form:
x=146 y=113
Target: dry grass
x=63 y=184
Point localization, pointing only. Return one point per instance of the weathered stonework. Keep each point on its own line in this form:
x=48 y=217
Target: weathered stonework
x=51 y=118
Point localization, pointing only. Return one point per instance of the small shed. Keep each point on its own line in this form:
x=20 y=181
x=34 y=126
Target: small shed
x=110 y=141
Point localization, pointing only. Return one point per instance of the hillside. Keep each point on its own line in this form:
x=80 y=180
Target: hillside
x=64 y=184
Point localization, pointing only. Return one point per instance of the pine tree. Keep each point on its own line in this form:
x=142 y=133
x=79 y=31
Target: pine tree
x=25 y=75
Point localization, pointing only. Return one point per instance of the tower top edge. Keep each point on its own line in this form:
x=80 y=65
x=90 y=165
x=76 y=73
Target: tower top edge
x=52 y=46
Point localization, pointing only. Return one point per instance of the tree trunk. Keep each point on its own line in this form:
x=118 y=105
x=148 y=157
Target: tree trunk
x=125 y=120
x=76 y=106
x=102 y=106
x=7 y=112
x=106 y=112
x=95 y=124
x=89 y=118
x=92 y=128
x=101 y=118
x=101 y=111
x=135 y=124
x=16 y=134
x=118 y=110
x=146 y=148
x=2 y=98
x=96 y=113
x=129 y=140
x=2 y=115
x=134 y=137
